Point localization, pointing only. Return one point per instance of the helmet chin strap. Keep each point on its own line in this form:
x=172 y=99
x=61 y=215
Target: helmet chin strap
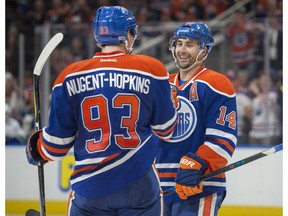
x=192 y=65
x=130 y=49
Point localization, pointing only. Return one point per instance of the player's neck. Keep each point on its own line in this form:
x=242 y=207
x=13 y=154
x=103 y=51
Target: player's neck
x=187 y=74
x=113 y=48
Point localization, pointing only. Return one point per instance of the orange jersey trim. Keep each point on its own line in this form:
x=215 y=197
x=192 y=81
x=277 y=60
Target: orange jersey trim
x=142 y=63
x=207 y=205
x=213 y=160
x=111 y=157
x=167 y=174
x=215 y=79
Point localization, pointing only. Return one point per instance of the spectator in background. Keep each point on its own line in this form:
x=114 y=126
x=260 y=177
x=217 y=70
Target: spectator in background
x=14 y=133
x=210 y=9
x=244 y=107
x=19 y=109
x=27 y=111
x=60 y=58
x=243 y=81
x=12 y=95
x=80 y=12
x=241 y=36
x=37 y=15
x=265 y=108
x=78 y=49
x=58 y=12
x=275 y=38
x=11 y=50
x=272 y=33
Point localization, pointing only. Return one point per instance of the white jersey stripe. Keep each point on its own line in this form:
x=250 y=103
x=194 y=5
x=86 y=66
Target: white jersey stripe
x=212 y=205
x=218 y=150
x=201 y=207
x=48 y=155
x=213 y=183
x=167 y=184
x=166 y=125
x=167 y=165
x=57 y=140
x=212 y=131
x=90 y=161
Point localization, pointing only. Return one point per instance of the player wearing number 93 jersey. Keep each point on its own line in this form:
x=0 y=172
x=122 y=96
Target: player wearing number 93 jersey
x=109 y=109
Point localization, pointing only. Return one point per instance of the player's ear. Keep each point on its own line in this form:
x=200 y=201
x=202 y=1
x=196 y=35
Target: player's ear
x=204 y=53
x=129 y=36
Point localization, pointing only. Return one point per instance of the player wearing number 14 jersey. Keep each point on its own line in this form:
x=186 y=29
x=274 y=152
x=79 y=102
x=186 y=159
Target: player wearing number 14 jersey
x=206 y=134
x=109 y=109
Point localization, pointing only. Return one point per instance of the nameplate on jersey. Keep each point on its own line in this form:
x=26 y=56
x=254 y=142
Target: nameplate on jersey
x=94 y=81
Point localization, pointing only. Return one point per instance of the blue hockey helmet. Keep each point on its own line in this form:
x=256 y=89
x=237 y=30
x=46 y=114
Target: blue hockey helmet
x=194 y=31
x=111 y=25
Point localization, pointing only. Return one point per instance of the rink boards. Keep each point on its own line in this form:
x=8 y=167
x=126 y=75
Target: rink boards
x=253 y=189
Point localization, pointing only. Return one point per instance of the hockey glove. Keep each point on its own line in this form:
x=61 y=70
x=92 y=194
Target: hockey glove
x=188 y=175
x=32 y=153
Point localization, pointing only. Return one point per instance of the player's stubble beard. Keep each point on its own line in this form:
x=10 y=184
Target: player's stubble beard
x=184 y=66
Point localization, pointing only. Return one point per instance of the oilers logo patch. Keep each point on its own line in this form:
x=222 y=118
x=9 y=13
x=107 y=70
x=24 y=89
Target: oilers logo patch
x=187 y=119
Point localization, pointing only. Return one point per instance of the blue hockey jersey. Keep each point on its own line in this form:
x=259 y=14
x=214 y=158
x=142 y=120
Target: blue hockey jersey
x=109 y=108
x=206 y=126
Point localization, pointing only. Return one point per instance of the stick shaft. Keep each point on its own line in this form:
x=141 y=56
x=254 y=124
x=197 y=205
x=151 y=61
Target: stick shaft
x=38 y=125
x=234 y=165
x=243 y=162
x=44 y=55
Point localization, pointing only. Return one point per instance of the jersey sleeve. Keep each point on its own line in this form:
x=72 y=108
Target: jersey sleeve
x=220 y=117
x=58 y=137
x=164 y=116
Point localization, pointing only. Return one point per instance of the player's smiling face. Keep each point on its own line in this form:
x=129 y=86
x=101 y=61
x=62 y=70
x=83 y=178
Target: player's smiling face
x=186 y=51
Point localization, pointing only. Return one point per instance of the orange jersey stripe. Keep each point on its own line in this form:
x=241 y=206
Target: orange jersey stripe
x=207 y=205
x=167 y=174
x=225 y=143
x=55 y=150
x=39 y=144
x=94 y=166
x=214 y=160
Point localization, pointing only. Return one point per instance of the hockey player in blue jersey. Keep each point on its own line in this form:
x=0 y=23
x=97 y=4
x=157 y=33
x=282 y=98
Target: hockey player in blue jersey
x=206 y=134
x=109 y=109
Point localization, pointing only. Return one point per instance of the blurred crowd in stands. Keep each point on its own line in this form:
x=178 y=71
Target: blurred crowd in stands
x=259 y=92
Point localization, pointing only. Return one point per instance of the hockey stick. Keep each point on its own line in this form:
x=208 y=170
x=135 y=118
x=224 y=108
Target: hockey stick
x=46 y=52
x=233 y=165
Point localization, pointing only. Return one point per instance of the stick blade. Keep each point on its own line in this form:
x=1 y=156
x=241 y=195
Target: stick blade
x=32 y=212
x=274 y=149
x=46 y=52
x=279 y=147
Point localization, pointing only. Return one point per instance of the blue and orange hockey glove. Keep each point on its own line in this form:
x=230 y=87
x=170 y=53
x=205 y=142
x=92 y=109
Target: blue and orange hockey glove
x=188 y=175
x=32 y=153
